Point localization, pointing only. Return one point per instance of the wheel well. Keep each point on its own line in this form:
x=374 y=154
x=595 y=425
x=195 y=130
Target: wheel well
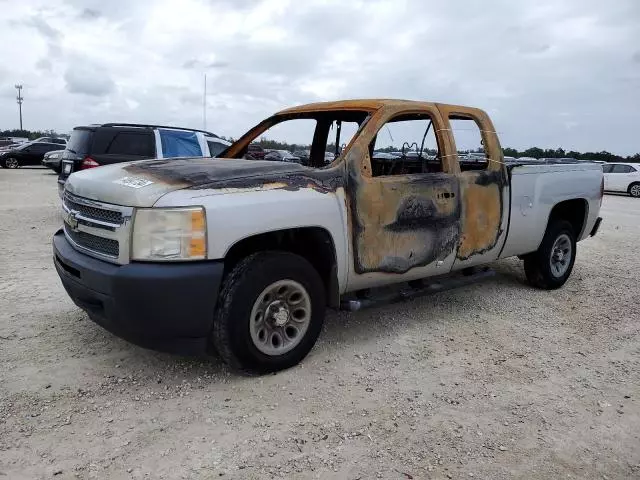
x=631 y=185
x=574 y=211
x=313 y=243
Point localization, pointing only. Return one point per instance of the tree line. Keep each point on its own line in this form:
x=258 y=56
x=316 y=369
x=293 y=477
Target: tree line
x=535 y=152
x=30 y=134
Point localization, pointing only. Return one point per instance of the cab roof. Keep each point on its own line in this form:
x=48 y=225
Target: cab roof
x=358 y=104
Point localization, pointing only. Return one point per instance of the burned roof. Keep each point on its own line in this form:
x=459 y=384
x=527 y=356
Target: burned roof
x=361 y=104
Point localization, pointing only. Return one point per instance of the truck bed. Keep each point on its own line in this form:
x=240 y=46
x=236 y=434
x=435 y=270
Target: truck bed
x=536 y=188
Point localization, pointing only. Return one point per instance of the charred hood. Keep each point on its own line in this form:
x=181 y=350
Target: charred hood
x=205 y=173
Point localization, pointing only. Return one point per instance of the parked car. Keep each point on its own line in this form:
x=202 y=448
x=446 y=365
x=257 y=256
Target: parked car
x=10 y=146
x=385 y=156
x=95 y=145
x=256 y=151
x=30 y=153
x=281 y=156
x=329 y=157
x=59 y=140
x=12 y=141
x=303 y=155
x=622 y=177
x=52 y=160
x=243 y=256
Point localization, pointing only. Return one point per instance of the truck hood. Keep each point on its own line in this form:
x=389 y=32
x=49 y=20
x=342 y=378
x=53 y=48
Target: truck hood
x=142 y=183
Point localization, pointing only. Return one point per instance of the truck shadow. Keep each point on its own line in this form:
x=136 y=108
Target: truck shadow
x=344 y=331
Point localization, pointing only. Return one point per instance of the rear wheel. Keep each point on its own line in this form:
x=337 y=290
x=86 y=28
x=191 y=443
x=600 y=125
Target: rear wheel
x=12 y=163
x=634 y=190
x=270 y=312
x=551 y=265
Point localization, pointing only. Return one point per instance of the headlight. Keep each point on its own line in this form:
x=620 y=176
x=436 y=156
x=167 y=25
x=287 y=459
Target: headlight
x=169 y=234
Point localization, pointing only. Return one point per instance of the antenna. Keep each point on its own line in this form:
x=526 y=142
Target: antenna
x=204 y=104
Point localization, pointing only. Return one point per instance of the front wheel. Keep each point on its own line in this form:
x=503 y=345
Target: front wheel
x=270 y=312
x=551 y=265
x=634 y=190
x=11 y=163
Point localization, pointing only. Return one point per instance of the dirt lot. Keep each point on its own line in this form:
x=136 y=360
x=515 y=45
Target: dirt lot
x=496 y=380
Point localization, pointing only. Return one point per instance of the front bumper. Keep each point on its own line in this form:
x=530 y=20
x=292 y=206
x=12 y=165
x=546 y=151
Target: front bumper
x=167 y=307
x=53 y=164
x=596 y=227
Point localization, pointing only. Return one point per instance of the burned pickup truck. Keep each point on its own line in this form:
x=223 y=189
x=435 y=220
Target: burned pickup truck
x=243 y=256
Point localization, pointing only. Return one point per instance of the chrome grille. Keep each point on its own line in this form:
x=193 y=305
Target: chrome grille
x=105 y=246
x=93 y=213
x=98 y=229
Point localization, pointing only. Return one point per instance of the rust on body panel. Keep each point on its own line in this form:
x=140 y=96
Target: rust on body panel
x=482 y=216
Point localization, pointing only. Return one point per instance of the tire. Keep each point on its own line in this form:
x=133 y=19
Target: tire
x=11 y=162
x=254 y=347
x=634 y=190
x=542 y=268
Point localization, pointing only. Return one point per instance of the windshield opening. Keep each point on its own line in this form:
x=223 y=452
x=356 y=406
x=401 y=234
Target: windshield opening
x=313 y=139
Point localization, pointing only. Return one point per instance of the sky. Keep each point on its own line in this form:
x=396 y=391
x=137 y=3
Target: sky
x=550 y=73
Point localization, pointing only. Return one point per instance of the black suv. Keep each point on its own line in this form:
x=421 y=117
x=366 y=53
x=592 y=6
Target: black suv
x=27 y=154
x=95 y=145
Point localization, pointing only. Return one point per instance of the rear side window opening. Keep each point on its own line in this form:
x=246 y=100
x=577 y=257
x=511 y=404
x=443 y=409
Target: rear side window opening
x=469 y=143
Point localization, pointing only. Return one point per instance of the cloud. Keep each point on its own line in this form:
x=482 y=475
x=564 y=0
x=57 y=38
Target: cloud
x=90 y=13
x=88 y=80
x=549 y=73
x=43 y=27
x=44 y=64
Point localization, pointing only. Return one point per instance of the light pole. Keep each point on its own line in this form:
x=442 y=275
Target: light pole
x=19 y=99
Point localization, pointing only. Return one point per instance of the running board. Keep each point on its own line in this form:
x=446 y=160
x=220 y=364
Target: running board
x=442 y=285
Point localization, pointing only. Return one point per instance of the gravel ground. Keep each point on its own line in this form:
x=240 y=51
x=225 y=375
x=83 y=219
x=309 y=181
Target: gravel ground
x=495 y=380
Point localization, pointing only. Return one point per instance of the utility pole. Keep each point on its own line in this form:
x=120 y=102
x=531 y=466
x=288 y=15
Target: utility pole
x=204 y=104
x=19 y=99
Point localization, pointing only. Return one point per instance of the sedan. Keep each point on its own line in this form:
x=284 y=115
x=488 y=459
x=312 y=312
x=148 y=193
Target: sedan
x=27 y=154
x=52 y=160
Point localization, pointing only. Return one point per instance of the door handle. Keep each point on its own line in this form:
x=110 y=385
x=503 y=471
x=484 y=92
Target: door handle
x=446 y=195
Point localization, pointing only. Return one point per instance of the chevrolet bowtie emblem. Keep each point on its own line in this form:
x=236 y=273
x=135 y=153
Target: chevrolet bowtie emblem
x=72 y=221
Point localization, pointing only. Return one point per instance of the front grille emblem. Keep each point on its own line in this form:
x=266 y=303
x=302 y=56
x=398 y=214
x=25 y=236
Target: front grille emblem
x=72 y=221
